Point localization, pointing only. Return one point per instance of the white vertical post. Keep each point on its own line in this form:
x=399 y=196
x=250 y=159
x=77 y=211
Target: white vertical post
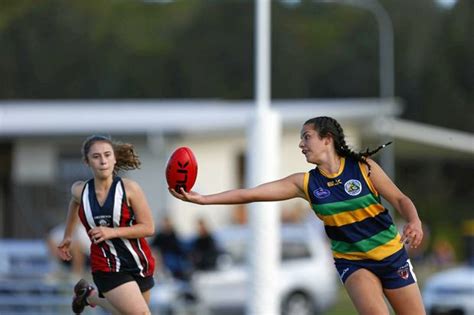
x=262 y=54
x=263 y=156
x=264 y=218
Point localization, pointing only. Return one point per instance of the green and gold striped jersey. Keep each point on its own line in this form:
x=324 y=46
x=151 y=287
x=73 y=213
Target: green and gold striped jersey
x=355 y=221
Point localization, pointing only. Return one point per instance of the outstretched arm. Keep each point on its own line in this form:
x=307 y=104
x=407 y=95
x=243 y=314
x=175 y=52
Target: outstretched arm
x=71 y=221
x=282 y=189
x=412 y=231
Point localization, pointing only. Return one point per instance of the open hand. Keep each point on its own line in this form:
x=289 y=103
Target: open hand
x=191 y=196
x=64 y=249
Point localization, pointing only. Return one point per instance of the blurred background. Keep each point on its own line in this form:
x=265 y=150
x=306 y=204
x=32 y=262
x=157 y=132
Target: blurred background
x=163 y=74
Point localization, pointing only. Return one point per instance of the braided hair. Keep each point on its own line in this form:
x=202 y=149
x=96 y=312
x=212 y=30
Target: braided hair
x=327 y=126
x=125 y=155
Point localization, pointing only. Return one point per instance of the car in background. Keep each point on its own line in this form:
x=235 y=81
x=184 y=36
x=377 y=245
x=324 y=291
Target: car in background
x=450 y=292
x=307 y=279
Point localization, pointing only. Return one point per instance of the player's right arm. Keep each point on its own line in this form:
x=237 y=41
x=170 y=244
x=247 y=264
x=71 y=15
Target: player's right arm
x=282 y=189
x=71 y=220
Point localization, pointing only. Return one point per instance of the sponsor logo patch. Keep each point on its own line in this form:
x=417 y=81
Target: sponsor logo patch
x=321 y=193
x=353 y=187
x=334 y=182
x=404 y=271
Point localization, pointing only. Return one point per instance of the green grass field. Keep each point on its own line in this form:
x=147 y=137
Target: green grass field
x=343 y=305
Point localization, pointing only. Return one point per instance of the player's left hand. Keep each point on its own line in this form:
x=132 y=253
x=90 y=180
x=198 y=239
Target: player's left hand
x=412 y=234
x=101 y=233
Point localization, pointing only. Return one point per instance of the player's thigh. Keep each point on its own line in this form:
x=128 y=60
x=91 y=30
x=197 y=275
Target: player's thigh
x=406 y=300
x=366 y=293
x=146 y=296
x=128 y=299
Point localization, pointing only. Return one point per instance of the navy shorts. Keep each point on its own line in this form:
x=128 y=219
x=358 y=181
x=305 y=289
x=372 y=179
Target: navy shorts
x=106 y=281
x=394 y=272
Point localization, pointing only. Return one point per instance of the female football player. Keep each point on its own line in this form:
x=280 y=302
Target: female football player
x=117 y=218
x=344 y=190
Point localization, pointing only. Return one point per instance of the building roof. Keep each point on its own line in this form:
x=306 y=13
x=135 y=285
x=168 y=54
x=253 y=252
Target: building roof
x=61 y=117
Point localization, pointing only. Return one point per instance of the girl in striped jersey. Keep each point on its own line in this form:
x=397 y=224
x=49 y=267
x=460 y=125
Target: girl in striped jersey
x=344 y=191
x=117 y=218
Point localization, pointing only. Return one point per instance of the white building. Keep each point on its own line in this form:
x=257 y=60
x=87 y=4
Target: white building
x=40 y=145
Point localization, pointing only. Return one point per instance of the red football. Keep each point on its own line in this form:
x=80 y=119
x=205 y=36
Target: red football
x=181 y=169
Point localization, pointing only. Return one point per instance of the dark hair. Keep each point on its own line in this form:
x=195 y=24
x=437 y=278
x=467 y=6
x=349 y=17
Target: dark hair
x=125 y=155
x=327 y=126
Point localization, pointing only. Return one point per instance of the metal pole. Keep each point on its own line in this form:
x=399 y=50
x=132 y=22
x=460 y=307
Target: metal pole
x=263 y=152
x=386 y=73
x=386 y=69
x=386 y=55
x=386 y=65
x=262 y=54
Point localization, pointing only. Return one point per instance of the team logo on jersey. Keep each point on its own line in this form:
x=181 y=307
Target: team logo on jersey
x=321 y=193
x=103 y=220
x=353 y=187
x=404 y=271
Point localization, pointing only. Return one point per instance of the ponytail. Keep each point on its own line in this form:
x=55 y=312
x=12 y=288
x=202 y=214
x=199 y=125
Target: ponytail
x=368 y=153
x=126 y=157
